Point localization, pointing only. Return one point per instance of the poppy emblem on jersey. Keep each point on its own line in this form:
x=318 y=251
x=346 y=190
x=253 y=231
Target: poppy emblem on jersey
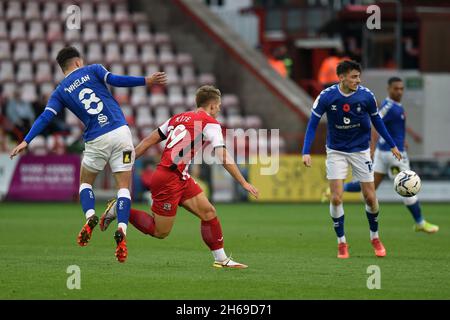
x=167 y=206
x=126 y=157
x=346 y=107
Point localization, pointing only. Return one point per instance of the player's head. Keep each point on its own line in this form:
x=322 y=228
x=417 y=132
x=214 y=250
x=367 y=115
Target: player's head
x=395 y=88
x=69 y=58
x=209 y=99
x=349 y=73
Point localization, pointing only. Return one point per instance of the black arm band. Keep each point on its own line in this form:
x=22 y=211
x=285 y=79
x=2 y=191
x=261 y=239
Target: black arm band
x=161 y=135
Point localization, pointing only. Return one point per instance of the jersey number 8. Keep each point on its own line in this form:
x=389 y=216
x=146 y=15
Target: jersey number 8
x=92 y=98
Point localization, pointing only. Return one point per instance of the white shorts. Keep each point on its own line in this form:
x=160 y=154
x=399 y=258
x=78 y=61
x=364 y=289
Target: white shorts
x=115 y=147
x=337 y=165
x=386 y=163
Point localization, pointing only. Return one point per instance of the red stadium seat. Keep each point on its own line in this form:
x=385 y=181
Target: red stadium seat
x=130 y=53
x=13 y=10
x=5 y=50
x=108 y=32
x=36 y=30
x=6 y=71
x=29 y=92
x=17 y=30
x=43 y=72
x=112 y=53
x=24 y=71
x=138 y=96
x=90 y=31
x=104 y=12
x=50 y=11
x=32 y=10
x=143 y=117
x=40 y=51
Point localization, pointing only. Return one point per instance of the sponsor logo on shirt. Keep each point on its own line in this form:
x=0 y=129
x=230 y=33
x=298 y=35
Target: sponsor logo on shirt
x=102 y=119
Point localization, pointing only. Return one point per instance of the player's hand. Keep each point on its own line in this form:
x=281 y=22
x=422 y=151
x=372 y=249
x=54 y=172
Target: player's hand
x=307 y=161
x=156 y=78
x=251 y=189
x=18 y=149
x=396 y=153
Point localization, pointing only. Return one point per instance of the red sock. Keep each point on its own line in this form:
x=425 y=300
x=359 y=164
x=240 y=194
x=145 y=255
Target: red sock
x=212 y=234
x=142 y=221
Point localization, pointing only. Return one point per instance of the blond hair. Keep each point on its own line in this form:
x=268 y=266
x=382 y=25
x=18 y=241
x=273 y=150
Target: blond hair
x=205 y=94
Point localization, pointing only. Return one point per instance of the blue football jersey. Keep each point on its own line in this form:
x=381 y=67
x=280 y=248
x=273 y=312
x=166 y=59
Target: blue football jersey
x=348 y=117
x=393 y=116
x=84 y=92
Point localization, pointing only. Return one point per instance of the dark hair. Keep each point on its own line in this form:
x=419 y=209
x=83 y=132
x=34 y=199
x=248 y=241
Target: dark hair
x=394 y=79
x=205 y=94
x=346 y=66
x=65 y=54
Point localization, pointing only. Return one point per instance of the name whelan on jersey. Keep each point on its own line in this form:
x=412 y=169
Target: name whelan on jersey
x=77 y=83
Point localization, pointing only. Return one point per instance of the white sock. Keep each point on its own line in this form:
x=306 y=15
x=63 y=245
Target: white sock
x=336 y=211
x=89 y=213
x=219 y=255
x=342 y=239
x=123 y=226
x=373 y=235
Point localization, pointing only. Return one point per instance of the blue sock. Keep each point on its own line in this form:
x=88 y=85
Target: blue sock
x=339 y=226
x=416 y=212
x=373 y=221
x=87 y=200
x=353 y=186
x=123 y=208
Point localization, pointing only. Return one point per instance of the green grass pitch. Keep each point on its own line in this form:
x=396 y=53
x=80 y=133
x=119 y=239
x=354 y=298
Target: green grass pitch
x=290 y=250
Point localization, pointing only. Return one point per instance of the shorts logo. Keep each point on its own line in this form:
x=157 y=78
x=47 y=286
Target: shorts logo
x=126 y=157
x=167 y=206
x=395 y=170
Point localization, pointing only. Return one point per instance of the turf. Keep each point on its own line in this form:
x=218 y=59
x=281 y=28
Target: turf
x=290 y=250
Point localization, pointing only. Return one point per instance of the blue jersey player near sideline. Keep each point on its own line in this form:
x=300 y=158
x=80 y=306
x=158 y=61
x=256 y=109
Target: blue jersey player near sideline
x=393 y=115
x=107 y=136
x=350 y=109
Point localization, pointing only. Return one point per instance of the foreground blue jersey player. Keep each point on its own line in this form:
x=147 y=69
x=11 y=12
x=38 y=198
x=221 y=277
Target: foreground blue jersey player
x=107 y=137
x=350 y=109
x=393 y=115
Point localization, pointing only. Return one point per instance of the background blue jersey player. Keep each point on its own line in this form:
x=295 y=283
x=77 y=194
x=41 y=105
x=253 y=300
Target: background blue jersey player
x=350 y=109
x=107 y=137
x=394 y=119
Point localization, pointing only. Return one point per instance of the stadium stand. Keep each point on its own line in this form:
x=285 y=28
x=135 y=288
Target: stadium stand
x=31 y=33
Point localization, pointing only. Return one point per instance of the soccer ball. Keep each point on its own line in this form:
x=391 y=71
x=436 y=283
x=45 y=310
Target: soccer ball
x=407 y=183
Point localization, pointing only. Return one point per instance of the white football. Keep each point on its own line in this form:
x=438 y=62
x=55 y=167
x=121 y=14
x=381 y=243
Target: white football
x=407 y=183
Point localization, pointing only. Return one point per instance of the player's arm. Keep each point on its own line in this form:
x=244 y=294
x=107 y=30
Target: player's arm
x=212 y=132
x=129 y=81
x=229 y=165
x=381 y=128
x=50 y=111
x=317 y=111
x=153 y=138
